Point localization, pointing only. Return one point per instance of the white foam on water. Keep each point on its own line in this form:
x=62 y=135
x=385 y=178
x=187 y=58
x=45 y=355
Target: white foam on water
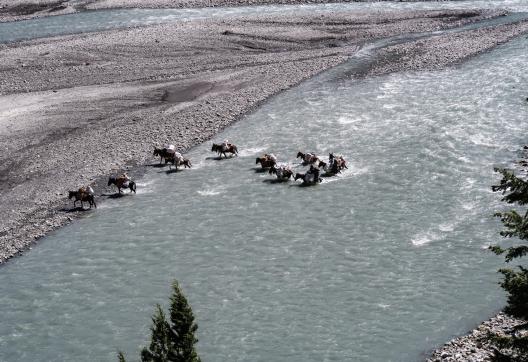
x=447 y=226
x=481 y=140
x=347 y=120
x=352 y=171
x=210 y=192
x=424 y=238
x=145 y=187
x=251 y=151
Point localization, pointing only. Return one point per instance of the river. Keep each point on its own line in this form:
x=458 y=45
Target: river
x=87 y=21
x=381 y=263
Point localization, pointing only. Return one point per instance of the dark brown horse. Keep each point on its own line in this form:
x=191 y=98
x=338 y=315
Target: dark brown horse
x=164 y=154
x=265 y=161
x=338 y=160
x=122 y=183
x=231 y=148
x=82 y=196
x=309 y=178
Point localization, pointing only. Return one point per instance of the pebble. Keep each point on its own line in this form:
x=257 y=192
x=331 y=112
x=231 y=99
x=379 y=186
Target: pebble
x=475 y=346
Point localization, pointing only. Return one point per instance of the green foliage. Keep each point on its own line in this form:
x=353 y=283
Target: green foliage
x=174 y=340
x=515 y=189
x=160 y=341
x=513 y=348
x=515 y=282
x=121 y=357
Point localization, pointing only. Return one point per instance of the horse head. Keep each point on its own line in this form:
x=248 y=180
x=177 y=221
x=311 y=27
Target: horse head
x=298 y=176
x=259 y=160
x=111 y=180
x=71 y=194
x=300 y=154
x=214 y=148
x=157 y=151
x=322 y=164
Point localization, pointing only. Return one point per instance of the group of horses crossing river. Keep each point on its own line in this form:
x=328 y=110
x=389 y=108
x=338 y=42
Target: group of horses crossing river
x=283 y=171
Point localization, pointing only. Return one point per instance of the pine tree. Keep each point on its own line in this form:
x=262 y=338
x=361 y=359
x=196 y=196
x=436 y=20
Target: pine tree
x=174 y=341
x=515 y=281
x=160 y=342
x=182 y=327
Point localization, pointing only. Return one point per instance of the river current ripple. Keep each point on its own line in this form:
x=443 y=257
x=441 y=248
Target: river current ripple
x=381 y=263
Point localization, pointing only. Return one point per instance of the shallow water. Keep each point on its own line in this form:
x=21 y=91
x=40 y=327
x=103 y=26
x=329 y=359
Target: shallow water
x=121 y=18
x=381 y=263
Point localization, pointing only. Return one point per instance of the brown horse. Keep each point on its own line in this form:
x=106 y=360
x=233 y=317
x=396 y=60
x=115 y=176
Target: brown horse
x=82 y=196
x=308 y=158
x=283 y=173
x=231 y=148
x=265 y=161
x=122 y=183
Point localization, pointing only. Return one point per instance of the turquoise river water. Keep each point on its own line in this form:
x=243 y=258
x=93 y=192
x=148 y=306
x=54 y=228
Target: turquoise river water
x=382 y=263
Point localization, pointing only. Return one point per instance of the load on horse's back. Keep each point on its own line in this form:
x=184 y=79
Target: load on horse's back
x=83 y=194
x=283 y=172
x=224 y=148
x=166 y=153
x=267 y=161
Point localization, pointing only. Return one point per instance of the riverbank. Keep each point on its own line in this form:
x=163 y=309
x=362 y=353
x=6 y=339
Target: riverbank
x=77 y=108
x=475 y=346
x=16 y=10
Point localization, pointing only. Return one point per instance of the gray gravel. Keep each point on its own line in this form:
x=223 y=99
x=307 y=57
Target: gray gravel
x=14 y=10
x=475 y=346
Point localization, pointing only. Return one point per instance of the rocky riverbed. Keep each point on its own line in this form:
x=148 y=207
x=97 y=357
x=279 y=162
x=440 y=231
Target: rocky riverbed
x=14 y=10
x=476 y=346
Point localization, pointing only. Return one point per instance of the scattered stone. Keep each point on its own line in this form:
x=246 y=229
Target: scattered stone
x=475 y=345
